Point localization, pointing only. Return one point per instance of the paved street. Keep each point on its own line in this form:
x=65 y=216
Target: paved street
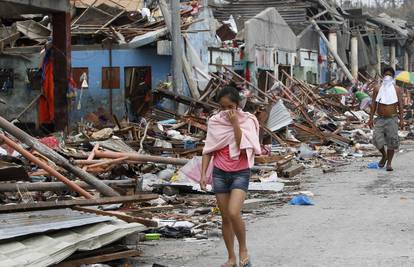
x=362 y=217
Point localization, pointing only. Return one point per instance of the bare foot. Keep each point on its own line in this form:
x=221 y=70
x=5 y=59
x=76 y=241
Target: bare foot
x=389 y=168
x=382 y=162
x=229 y=263
x=244 y=257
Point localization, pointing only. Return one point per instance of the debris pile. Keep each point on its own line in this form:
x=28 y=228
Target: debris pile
x=110 y=177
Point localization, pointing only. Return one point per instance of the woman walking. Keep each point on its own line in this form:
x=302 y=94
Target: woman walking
x=231 y=143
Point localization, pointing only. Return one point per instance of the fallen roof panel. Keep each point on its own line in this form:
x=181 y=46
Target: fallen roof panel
x=45 y=250
x=31 y=222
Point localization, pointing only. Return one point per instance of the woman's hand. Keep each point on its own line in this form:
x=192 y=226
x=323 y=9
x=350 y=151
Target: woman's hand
x=203 y=183
x=232 y=116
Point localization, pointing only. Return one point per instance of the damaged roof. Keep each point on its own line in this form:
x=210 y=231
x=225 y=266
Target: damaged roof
x=128 y=5
x=294 y=12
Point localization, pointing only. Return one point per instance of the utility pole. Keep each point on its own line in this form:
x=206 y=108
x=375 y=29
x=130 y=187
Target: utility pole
x=176 y=37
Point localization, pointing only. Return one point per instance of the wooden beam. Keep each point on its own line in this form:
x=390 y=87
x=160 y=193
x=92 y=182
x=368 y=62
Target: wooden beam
x=124 y=217
x=62 y=67
x=58 y=186
x=77 y=202
x=9 y=40
x=100 y=258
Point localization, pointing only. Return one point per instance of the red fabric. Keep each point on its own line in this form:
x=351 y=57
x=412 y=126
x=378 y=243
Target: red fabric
x=247 y=76
x=50 y=142
x=223 y=161
x=47 y=100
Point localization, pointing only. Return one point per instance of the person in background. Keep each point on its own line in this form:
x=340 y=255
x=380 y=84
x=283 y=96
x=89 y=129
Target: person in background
x=387 y=104
x=231 y=143
x=362 y=97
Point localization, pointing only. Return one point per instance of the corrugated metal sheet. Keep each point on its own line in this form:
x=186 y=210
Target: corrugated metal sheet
x=268 y=30
x=45 y=250
x=31 y=222
x=279 y=117
x=293 y=12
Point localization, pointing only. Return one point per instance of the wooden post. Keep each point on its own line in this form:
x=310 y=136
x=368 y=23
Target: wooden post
x=379 y=58
x=406 y=60
x=393 y=62
x=140 y=157
x=354 y=57
x=62 y=66
x=334 y=43
x=56 y=157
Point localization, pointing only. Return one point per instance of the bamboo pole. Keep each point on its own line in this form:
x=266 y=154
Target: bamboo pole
x=46 y=167
x=56 y=157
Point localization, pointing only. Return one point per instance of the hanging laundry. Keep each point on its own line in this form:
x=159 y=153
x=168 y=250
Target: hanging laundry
x=47 y=100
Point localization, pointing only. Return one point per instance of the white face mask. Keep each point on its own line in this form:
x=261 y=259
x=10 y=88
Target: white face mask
x=388 y=79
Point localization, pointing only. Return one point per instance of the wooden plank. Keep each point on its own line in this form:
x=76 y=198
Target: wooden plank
x=268 y=159
x=9 y=39
x=124 y=217
x=196 y=124
x=77 y=202
x=192 y=84
x=58 y=186
x=100 y=258
x=293 y=171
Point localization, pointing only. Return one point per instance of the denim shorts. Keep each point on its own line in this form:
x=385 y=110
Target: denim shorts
x=224 y=182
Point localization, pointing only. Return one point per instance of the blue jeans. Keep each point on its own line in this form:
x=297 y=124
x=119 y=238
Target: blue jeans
x=224 y=182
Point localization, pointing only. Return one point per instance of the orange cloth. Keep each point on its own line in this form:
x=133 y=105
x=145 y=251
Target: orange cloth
x=47 y=100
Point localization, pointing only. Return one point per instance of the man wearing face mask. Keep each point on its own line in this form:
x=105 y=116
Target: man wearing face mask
x=387 y=105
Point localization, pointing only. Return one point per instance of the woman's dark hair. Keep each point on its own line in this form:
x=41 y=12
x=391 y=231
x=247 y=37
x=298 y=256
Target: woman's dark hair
x=388 y=69
x=231 y=92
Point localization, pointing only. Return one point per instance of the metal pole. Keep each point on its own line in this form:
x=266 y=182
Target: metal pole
x=176 y=47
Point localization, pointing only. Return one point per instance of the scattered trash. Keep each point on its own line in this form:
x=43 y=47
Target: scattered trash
x=301 y=200
x=373 y=165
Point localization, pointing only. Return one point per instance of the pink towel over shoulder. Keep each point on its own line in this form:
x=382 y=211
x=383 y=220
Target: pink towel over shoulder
x=220 y=134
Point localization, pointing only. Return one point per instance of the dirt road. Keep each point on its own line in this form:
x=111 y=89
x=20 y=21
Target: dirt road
x=361 y=217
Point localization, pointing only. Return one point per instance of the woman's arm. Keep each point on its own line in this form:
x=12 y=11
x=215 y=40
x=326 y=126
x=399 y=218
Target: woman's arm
x=204 y=165
x=236 y=126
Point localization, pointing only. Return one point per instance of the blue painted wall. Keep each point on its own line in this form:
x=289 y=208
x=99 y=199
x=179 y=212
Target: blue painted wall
x=94 y=60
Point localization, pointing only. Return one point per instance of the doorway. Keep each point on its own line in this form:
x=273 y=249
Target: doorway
x=138 y=96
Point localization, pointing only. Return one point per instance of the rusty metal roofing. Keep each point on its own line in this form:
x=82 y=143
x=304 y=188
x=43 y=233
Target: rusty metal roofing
x=33 y=222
